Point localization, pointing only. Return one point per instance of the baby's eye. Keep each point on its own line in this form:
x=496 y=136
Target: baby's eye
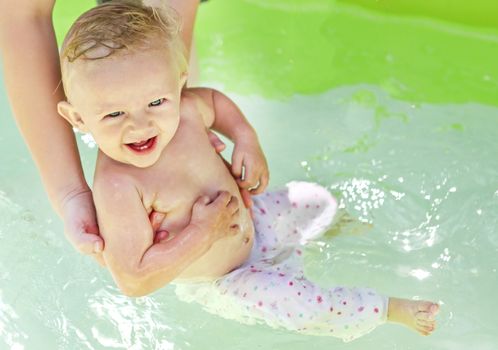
x=114 y=114
x=157 y=102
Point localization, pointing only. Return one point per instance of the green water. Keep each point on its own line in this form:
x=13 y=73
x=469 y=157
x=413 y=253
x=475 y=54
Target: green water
x=394 y=109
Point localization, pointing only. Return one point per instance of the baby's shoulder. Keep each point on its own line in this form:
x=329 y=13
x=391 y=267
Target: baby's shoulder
x=196 y=95
x=111 y=177
x=197 y=102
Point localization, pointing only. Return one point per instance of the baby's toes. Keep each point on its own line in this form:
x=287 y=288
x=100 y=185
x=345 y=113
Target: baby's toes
x=425 y=306
x=434 y=309
x=425 y=330
x=427 y=310
x=424 y=322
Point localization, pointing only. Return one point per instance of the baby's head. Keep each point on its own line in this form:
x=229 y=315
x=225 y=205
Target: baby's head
x=123 y=67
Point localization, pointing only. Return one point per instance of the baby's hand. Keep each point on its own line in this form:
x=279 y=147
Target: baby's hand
x=218 y=218
x=248 y=155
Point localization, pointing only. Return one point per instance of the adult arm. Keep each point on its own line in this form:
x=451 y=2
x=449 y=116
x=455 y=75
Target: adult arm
x=32 y=75
x=187 y=9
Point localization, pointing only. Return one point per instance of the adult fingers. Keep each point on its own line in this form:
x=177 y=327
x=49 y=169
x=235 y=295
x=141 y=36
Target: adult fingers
x=156 y=218
x=161 y=236
x=98 y=244
x=215 y=141
x=86 y=243
x=100 y=259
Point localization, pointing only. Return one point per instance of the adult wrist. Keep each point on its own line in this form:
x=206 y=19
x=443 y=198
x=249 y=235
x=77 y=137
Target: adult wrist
x=68 y=194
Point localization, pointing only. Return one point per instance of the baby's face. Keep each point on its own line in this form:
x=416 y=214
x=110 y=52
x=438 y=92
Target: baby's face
x=130 y=104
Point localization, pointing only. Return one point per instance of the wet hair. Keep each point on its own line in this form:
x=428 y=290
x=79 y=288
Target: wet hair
x=122 y=26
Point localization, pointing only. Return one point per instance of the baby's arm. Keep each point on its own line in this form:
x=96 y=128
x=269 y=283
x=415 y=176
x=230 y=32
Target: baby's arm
x=139 y=266
x=222 y=114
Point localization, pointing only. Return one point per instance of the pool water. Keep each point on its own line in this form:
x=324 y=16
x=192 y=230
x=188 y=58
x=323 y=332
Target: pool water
x=394 y=110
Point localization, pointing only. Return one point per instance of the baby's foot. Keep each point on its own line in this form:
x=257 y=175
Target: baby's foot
x=414 y=314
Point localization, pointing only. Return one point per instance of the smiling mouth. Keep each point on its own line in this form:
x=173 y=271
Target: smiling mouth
x=143 y=147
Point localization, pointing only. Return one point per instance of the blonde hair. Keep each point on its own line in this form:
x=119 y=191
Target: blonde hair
x=121 y=26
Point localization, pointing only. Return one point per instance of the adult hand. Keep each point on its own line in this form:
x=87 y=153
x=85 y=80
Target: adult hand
x=80 y=225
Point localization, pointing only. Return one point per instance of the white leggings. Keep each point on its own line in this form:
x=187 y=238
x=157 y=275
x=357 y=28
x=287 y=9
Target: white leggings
x=271 y=286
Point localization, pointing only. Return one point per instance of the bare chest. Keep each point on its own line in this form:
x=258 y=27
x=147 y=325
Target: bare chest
x=188 y=168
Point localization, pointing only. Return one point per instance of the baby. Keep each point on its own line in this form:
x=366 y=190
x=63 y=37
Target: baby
x=124 y=73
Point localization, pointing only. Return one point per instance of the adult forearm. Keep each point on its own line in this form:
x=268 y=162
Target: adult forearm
x=187 y=9
x=32 y=77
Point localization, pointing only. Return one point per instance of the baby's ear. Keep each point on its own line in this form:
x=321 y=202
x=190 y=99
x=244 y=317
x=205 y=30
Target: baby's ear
x=67 y=110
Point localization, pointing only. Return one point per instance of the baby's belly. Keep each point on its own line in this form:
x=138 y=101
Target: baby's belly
x=225 y=255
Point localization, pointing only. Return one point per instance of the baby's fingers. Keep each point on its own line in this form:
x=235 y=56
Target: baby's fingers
x=246 y=198
x=233 y=206
x=234 y=229
x=237 y=160
x=201 y=202
x=222 y=199
x=263 y=183
x=251 y=177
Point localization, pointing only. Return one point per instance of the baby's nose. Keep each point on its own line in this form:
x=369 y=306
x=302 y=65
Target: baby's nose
x=141 y=132
x=141 y=121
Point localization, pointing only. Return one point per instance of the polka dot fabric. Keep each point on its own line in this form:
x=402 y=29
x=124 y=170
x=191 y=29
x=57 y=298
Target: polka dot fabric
x=271 y=287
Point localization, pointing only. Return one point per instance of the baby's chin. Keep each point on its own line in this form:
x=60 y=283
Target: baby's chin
x=137 y=161
x=143 y=161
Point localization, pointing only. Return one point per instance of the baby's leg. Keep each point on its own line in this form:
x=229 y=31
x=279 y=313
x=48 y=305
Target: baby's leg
x=298 y=213
x=414 y=314
x=280 y=296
